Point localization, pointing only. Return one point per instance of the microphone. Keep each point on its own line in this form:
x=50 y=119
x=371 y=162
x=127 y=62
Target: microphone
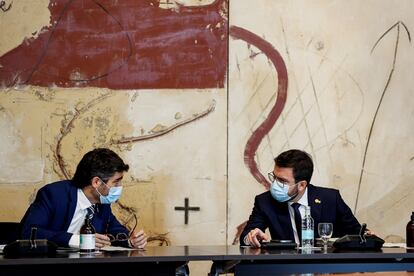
x=362 y=233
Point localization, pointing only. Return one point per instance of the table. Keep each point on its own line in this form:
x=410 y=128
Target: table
x=158 y=261
x=164 y=260
x=249 y=261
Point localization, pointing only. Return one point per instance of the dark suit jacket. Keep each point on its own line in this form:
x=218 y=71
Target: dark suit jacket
x=326 y=205
x=53 y=210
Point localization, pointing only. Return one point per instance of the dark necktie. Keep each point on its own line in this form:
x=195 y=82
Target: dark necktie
x=91 y=212
x=298 y=220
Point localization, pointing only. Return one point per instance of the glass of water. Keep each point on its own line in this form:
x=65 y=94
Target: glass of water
x=325 y=231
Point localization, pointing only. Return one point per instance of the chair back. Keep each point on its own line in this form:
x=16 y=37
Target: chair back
x=9 y=231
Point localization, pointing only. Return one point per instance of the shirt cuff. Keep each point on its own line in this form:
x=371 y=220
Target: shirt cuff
x=74 y=241
x=246 y=240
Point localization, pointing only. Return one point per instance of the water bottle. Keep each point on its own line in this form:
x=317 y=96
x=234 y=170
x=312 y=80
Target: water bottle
x=410 y=231
x=307 y=229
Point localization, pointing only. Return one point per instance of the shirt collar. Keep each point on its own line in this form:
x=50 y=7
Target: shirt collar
x=304 y=199
x=83 y=201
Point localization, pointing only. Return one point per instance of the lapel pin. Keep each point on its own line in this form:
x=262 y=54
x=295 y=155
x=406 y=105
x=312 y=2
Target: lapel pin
x=317 y=201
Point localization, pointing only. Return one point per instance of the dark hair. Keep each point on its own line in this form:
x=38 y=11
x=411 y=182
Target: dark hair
x=299 y=161
x=100 y=162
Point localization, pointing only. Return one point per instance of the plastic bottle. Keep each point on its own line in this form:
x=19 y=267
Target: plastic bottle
x=307 y=229
x=87 y=236
x=410 y=231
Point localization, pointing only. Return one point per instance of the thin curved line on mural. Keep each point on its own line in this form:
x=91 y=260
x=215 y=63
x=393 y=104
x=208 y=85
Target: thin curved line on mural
x=78 y=112
x=3 y=6
x=65 y=131
x=195 y=117
x=259 y=133
x=103 y=75
x=390 y=75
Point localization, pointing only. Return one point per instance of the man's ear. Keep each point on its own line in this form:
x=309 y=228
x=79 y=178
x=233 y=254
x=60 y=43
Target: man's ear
x=302 y=184
x=96 y=182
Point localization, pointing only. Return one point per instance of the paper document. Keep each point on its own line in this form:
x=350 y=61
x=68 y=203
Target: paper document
x=394 y=245
x=116 y=248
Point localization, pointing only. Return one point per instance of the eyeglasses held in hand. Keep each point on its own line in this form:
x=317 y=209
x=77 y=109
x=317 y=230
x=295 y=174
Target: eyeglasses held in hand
x=123 y=236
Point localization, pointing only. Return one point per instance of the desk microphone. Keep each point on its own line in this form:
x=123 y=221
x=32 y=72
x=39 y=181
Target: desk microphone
x=362 y=233
x=31 y=247
x=359 y=242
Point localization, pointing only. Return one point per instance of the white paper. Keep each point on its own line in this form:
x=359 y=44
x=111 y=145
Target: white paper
x=116 y=248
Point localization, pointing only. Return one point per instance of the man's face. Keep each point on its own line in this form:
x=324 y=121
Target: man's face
x=285 y=176
x=114 y=181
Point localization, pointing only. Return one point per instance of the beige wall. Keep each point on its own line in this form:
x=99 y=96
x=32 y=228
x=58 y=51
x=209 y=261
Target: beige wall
x=336 y=82
x=335 y=87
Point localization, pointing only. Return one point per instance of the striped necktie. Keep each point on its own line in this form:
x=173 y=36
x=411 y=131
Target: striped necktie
x=91 y=211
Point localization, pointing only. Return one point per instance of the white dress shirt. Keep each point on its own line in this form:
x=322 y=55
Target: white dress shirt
x=78 y=219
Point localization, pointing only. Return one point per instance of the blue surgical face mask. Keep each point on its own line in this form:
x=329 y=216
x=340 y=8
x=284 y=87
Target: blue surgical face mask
x=280 y=191
x=113 y=195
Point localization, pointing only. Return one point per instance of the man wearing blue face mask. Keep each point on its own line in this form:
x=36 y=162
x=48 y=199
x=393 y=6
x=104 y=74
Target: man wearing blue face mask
x=280 y=209
x=60 y=208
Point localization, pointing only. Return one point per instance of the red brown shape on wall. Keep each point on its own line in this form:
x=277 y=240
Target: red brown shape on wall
x=259 y=133
x=126 y=44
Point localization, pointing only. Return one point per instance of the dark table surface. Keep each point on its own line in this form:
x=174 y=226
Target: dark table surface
x=212 y=253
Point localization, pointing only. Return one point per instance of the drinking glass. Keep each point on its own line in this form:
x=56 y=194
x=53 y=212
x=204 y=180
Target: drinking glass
x=325 y=230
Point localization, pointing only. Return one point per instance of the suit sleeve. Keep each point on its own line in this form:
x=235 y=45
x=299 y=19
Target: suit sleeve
x=346 y=221
x=257 y=219
x=40 y=215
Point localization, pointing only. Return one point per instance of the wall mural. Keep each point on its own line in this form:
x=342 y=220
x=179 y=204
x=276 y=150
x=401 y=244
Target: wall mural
x=96 y=46
x=265 y=48
x=347 y=85
x=191 y=85
x=123 y=45
x=118 y=46
x=400 y=27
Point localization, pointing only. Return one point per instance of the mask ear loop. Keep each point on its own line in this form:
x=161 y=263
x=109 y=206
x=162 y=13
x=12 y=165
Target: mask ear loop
x=102 y=182
x=96 y=189
x=295 y=196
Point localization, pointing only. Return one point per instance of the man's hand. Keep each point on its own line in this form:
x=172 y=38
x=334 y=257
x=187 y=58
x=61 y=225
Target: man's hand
x=138 y=240
x=101 y=240
x=370 y=233
x=255 y=236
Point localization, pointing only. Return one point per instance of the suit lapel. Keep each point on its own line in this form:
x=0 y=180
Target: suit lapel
x=73 y=199
x=315 y=203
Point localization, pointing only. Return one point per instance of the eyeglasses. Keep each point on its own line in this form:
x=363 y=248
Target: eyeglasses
x=272 y=178
x=115 y=184
x=123 y=236
x=118 y=237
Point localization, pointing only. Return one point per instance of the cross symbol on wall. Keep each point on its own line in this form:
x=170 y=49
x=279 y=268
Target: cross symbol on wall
x=186 y=209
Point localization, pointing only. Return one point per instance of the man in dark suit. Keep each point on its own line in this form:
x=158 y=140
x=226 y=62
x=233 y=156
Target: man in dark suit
x=60 y=208
x=280 y=208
